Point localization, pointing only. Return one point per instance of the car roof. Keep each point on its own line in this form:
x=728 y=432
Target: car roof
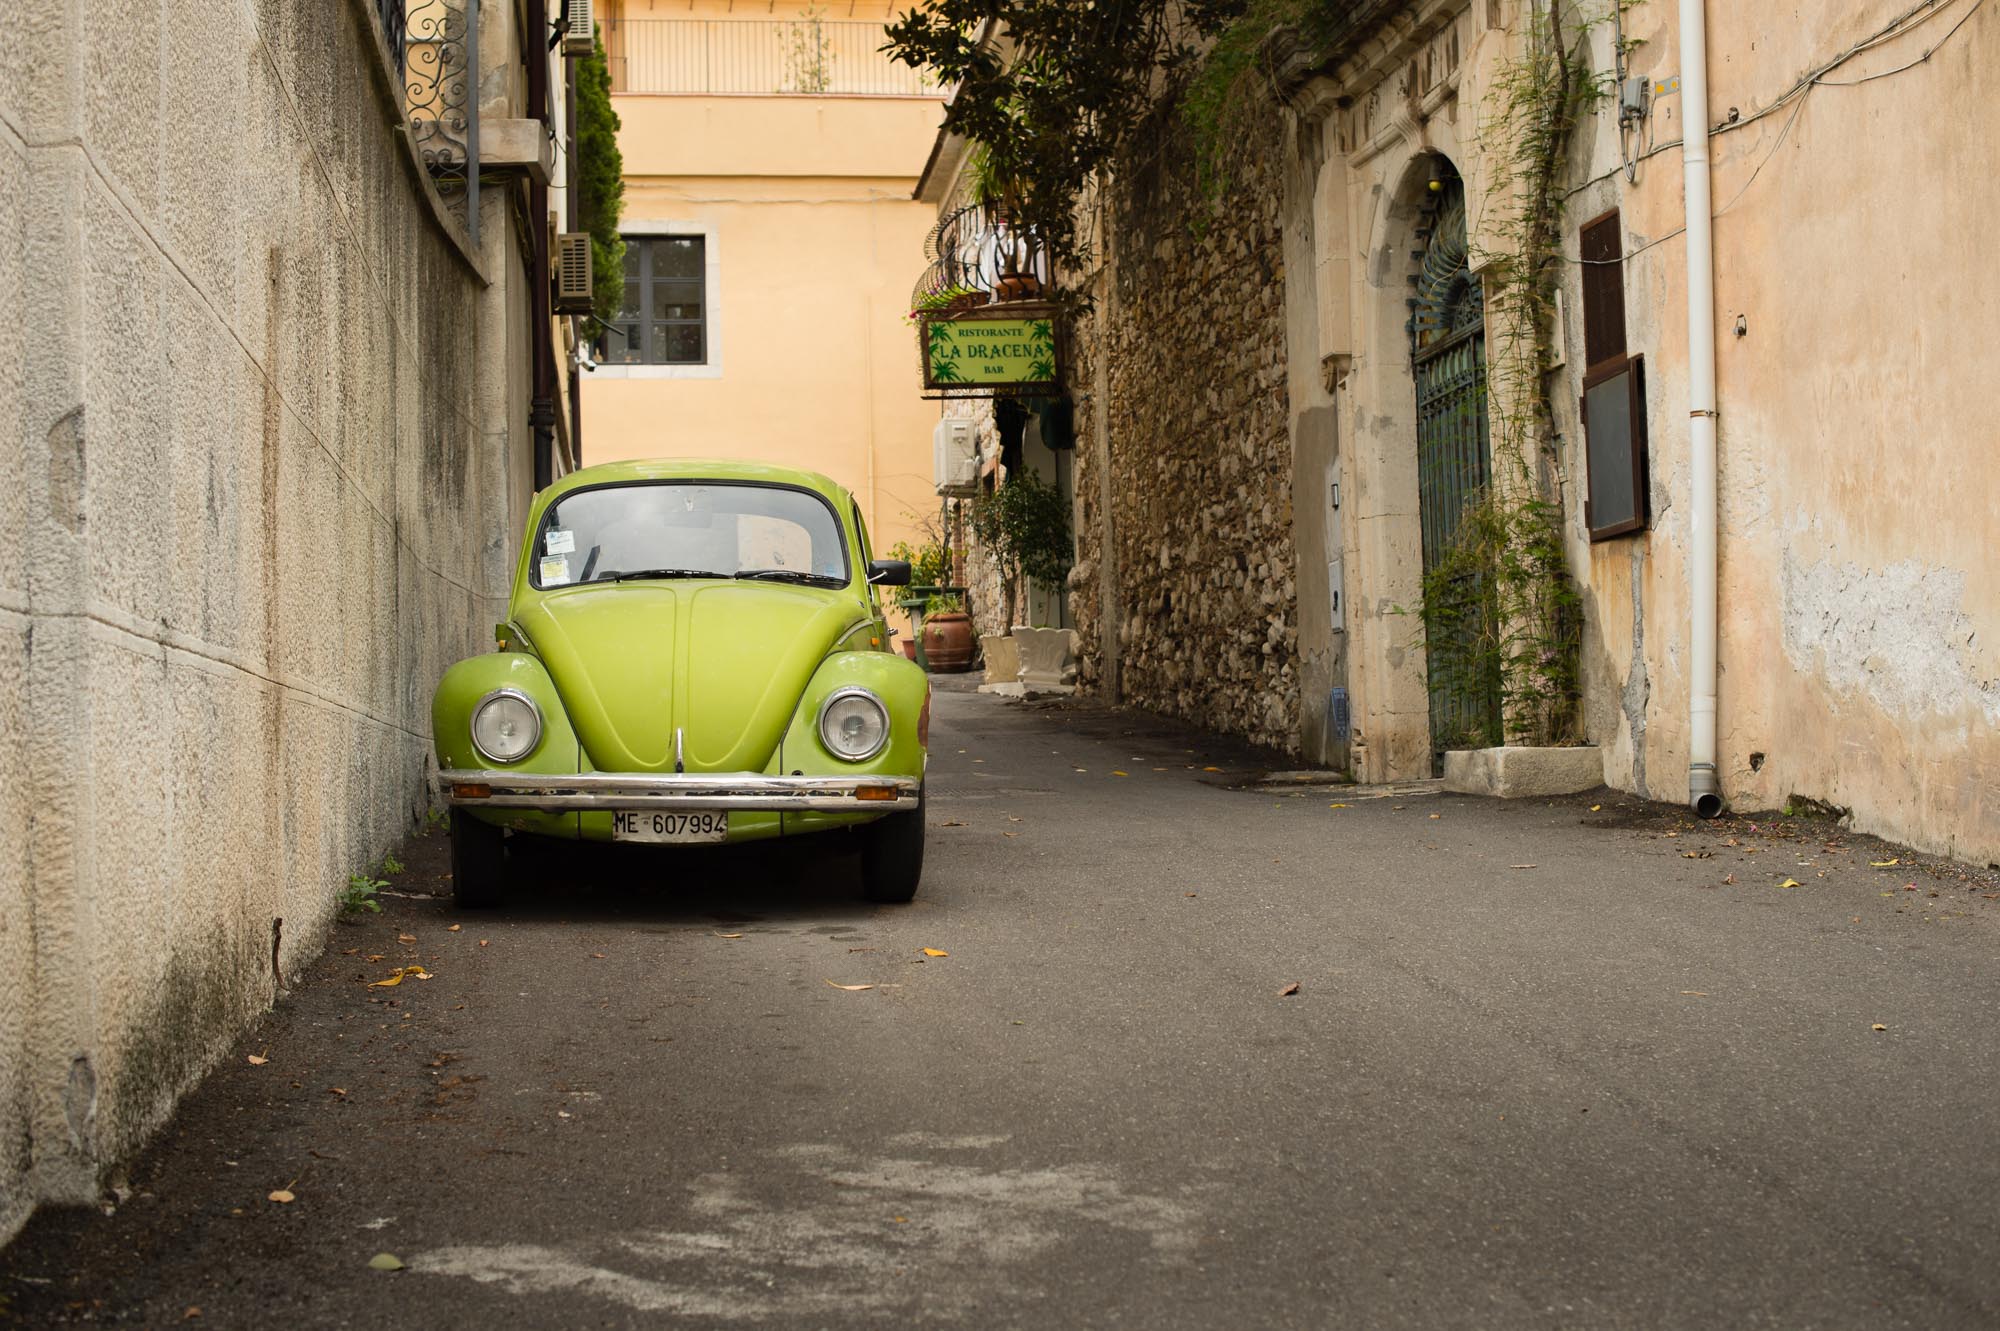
x=704 y=469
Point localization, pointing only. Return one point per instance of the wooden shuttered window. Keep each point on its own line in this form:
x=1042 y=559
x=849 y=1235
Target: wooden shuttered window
x=1614 y=391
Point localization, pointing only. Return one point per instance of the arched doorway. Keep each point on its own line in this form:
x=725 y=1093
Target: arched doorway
x=1454 y=464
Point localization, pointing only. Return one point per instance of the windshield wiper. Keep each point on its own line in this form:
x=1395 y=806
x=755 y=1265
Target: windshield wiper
x=660 y=573
x=792 y=575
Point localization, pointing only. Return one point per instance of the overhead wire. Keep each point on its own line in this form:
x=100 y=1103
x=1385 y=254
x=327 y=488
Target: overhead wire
x=1795 y=96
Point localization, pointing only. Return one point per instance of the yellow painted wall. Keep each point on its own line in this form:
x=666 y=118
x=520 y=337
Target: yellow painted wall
x=815 y=244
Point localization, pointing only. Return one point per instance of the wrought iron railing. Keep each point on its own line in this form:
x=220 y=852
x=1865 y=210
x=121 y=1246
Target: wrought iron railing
x=435 y=46
x=976 y=249
x=756 y=57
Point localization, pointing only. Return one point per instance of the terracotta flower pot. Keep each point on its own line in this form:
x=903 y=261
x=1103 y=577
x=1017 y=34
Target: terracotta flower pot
x=948 y=640
x=1017 y=286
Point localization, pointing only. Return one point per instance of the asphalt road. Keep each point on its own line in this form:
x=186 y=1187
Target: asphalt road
x=1546 y=1065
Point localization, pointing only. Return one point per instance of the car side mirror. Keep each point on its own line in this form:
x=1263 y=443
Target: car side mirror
x=889 y=573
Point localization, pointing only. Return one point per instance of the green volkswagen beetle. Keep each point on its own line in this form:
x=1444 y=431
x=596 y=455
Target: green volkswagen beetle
x=694 y=653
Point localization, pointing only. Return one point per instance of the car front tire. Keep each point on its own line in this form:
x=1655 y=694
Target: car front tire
x=478 y=861
x=892 y=855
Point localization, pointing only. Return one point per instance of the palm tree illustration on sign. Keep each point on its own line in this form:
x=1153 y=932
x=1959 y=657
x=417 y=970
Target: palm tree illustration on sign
x=944 y=369
x=1042 y=347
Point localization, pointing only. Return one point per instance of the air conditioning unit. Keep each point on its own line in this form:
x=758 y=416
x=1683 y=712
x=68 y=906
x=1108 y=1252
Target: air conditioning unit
x=573 y=293
x=580 y=32
x=955 y=457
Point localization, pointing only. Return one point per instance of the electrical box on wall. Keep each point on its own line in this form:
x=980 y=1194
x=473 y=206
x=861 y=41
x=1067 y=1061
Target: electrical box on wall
x=955 y=457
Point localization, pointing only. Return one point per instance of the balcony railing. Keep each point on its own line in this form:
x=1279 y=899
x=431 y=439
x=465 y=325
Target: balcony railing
x=756 y=57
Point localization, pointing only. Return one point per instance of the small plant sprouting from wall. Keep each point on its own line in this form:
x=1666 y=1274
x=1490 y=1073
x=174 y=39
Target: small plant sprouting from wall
x=808 y=53
x=1501 y=599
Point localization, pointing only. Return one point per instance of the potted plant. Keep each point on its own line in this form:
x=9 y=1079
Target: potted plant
x=951 y=300
x=1024 y=524
x=948 y=637
x=1015 y=249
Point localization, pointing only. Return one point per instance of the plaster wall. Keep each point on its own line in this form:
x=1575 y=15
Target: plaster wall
x=1860 y=621
x=778 y=137
x=237 y=365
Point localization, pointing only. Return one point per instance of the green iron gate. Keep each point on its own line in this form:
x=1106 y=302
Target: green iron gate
x=1454 y=464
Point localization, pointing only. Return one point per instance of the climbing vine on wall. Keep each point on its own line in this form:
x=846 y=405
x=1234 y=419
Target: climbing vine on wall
x=1500 y=598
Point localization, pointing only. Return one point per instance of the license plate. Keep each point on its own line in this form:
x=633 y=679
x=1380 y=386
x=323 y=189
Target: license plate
x=675 y=828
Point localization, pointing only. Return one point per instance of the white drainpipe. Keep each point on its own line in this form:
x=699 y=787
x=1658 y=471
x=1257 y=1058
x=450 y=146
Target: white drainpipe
x=1704 y=792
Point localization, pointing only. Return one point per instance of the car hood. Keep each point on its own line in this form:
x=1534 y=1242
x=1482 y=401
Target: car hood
x=723 y=662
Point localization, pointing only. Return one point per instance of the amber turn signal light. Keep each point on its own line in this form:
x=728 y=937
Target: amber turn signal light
x=467 y=790
x=875 y=792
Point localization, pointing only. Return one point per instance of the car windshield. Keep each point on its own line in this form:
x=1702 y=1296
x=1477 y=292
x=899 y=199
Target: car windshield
x=690 y=529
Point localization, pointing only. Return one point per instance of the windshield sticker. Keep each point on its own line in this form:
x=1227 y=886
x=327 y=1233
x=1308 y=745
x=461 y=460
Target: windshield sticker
x=561 y=542
x=555 y=570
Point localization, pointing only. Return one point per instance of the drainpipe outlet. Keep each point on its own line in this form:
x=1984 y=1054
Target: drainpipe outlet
x=1704 y=794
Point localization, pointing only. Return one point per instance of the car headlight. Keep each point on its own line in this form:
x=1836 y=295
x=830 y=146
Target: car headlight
x=506 y=726
x=853 y=724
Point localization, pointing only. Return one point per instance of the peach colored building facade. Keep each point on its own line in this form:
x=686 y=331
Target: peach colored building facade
x=769 y=167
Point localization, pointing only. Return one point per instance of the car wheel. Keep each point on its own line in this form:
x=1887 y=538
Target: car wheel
x=478 y=861
x=892 y=855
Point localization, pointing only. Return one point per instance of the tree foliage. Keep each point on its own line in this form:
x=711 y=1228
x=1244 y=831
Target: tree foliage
x=1083 y=74
x=1024 y=524
x=600 y=181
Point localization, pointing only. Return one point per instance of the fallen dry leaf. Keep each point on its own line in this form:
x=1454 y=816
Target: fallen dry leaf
x=1289 y=990
x=396 y=979
x=1191 y=894
x=1728 y=878
x=729 y=935
x=951 y=822
x=283 y=1196
x=1115 y=772
x=597 y=956
x=1437 y=815
x=1595 y=807
x=191 y=1313
x=482 y=942
x=336 y=1090
x=385 y=1261
x=1211 y=769
x=258 y=1060
x=936 y=952
x=453 y=928
x=1878 y=1026
x=1789 y=882
x=1010 y=834
x=1885 y=864
x=1012 y=819
x=1521 y=866
x=851 y=988
x=1694 y=993
x=1336 y=806
x=406 y=938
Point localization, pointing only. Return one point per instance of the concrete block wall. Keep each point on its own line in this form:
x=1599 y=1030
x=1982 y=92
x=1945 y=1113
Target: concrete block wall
x=253 y=518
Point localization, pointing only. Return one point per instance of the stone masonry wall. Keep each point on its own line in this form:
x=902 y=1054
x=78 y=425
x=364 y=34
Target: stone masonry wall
x=1199 y=448
x=248 y=507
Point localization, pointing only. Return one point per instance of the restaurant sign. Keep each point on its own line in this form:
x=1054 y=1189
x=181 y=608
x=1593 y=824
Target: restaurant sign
x=973 y=354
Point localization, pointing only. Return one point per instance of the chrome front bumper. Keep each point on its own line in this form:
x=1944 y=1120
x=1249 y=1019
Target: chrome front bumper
x=707 y=790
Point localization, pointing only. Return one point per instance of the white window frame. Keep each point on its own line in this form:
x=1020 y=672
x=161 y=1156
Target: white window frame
x=711 y=368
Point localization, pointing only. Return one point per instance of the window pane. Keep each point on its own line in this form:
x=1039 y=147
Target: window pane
x=676 y=300
x=621 y=344
x=1614 y=442
x=677 y=344
x=677 y=256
